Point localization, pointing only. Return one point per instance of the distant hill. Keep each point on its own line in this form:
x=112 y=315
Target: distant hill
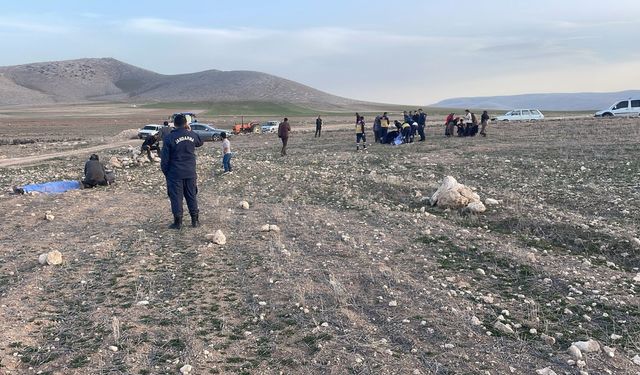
x=107 y=79
x=551 y=102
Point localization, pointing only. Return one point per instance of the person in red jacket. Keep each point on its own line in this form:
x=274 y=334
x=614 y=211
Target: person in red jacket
x=283 y=134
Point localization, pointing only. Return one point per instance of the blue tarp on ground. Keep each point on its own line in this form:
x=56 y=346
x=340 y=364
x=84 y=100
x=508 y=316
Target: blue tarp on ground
x=53 y=187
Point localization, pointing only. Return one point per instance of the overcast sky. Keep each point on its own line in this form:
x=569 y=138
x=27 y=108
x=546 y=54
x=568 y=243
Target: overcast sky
x=403 y=51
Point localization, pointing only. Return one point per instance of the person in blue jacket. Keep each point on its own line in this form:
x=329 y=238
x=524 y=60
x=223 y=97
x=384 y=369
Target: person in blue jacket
x=179 y=167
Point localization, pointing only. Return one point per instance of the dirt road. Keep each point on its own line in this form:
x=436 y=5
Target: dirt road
x=30 y=160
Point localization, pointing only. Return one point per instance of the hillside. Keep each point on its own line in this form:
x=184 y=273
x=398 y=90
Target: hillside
x=107 y=79
x=551 y=102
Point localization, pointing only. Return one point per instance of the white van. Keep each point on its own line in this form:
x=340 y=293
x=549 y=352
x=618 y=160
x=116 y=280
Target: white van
x=623 y=108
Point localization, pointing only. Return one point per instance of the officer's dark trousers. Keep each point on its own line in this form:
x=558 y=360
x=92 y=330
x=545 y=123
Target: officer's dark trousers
x=421 y=132
x=183 y=188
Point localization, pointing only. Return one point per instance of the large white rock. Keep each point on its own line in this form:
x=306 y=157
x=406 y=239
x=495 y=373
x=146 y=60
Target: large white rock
x=42 y=259
x=454 y=195
x=114 y=162
x=244 y=205
x=504 y=328
x=186 y=369
x=476 y=208
x=575 y=352
x=546 y=371
x=589 y=346
x=491 y=202
x=54 y=257
x=218 y=237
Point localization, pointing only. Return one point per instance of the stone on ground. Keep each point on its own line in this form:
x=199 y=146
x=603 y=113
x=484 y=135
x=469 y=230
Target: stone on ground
x=54 y=258
x=218 y=237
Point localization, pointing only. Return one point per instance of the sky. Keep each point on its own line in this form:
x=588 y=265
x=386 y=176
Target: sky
x=402 y=51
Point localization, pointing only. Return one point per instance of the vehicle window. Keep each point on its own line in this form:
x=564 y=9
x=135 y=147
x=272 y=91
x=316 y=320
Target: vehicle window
x=149 y=128
x=635 y=103
x=624 y=104
x=526 y=112
x=515 y=113
x=196 y=127
x=535 y=112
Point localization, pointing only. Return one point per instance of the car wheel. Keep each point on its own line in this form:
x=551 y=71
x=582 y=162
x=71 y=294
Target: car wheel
x=215 y=137
x=607 y=114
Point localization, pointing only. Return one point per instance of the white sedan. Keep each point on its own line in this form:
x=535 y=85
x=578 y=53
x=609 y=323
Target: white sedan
x=521 y=115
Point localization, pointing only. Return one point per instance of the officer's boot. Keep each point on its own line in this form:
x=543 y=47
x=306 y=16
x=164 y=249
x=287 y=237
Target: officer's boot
x=177 y=222
x=194 y=221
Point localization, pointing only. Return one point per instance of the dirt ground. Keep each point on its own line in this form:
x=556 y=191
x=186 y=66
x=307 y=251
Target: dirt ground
x=363 y=277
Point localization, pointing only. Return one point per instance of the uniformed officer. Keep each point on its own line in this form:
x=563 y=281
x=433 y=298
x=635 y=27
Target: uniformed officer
x=179 y=167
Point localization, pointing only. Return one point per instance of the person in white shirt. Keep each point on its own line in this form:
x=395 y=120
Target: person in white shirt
x=226 y=153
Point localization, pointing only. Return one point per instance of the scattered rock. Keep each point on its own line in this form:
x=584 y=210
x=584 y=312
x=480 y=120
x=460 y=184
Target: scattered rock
x=546 y=371
x=218 y=237
x=636 y=359
x=475 y=321
x=244 y=205
x=393 y=303
x=589 y=346
x=264 y=228
x=504 y=328
x=113 y=348
x=184 y=370
x=531 y=257
x=549 y=340
x=491 y=202
x=54 y=258
x=42 y=259
x=611 y=352
x=48 y=216
x=142 y=303
x=475 y=208
x=615 y=337
x=575 y=352
x=114 y=162
x=637 y=278
x=480 y=272
x=274 y=228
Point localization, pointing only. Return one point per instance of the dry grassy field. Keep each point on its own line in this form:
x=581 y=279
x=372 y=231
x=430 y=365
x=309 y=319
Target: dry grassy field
x=363 y=277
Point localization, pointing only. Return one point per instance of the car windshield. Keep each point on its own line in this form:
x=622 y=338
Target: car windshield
x=150 y=127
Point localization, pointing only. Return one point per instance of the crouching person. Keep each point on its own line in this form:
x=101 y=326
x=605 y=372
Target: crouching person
x=178 y=163
x=96 y=174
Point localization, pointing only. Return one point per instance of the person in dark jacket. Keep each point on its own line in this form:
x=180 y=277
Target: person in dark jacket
x=422 y=122
x=318 y=127
x=165 y=130
x=94 y=173
x=151 y=143
x=484 y=119
x=283 y=134
x=179 y=167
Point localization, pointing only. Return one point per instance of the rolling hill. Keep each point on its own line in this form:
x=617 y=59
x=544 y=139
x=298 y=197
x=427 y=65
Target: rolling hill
x=551 y=102
x=110 y=80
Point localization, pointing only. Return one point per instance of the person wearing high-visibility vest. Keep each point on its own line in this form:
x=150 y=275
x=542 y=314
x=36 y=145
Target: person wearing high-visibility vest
x=360 y=135
x=384 y=125
x=406 y=132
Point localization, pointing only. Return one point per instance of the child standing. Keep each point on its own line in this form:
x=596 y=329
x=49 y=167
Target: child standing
x=226 y=153
x=360 y=134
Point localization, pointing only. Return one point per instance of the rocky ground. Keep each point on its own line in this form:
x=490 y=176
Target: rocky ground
x=357 y=273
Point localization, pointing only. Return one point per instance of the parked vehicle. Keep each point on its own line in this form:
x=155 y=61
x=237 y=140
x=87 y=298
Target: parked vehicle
x=247 y=127
x=147 y=130
x=207 y=132
x=624 y=108
x=270 y=126
x=521 y=115
x=190 y=116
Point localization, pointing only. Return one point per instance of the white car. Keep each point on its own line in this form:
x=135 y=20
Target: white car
x=269 y=126
x=148 y=130
x=623 y=108
x=521 y=115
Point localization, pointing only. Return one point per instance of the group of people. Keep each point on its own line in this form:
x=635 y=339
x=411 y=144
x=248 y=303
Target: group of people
x=466 y=126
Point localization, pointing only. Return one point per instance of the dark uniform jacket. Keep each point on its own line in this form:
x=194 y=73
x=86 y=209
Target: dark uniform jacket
x=284 y=129
x=179 y=154
x=94 y=173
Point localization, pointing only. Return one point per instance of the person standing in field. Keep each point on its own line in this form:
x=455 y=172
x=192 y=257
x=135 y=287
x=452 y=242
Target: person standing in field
x=360 y=135
x=318 y=127
x=422 y=122
x=468 y=121
x=226 y=153
x=384 y=125
x=178 y=164
x=484 y=120
x=283 y=134
x=376 y=129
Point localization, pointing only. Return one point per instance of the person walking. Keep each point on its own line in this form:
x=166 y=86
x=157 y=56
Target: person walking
x=376 y=129
x=484 y=120
x=283 y=134
x=178 y=165
x=318 y=127
x=360 y=135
